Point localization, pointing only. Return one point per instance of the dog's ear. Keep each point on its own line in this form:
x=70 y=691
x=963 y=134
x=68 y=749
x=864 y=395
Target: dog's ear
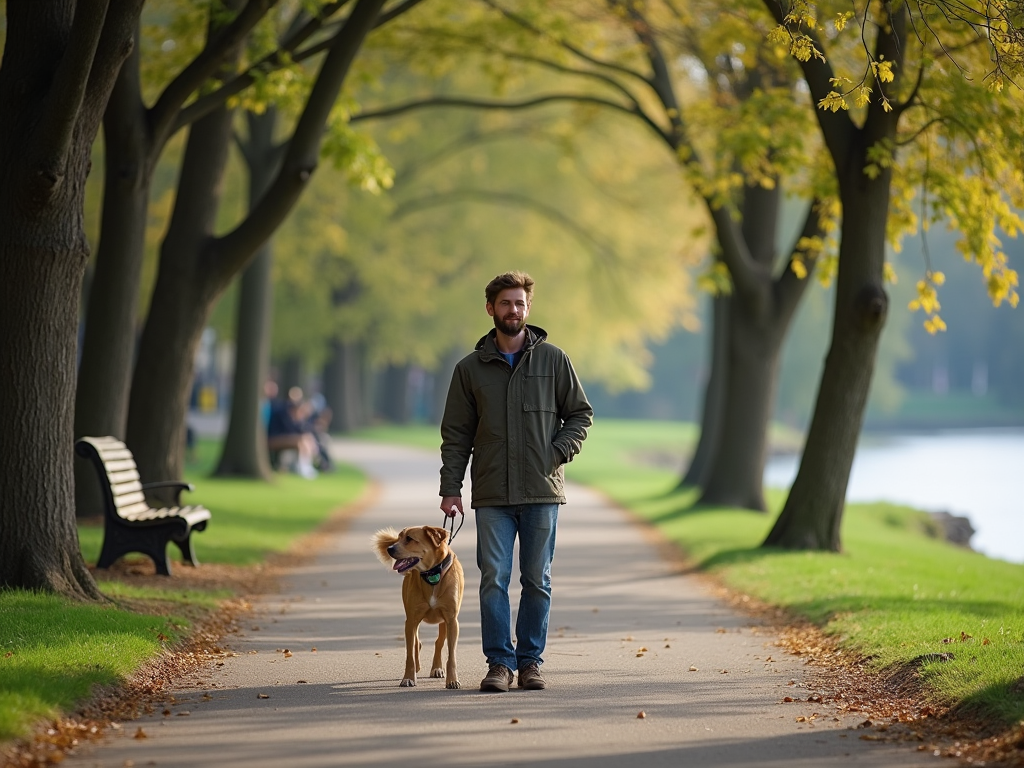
x=380 y=542
x=437 y=535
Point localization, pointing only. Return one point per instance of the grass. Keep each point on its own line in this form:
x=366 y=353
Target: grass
x=895 y=593
x=52 y=651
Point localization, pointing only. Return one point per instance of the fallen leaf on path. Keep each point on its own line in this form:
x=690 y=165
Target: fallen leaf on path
x=141 y=734
x=641 y=715
x=514 y=720
x=788 y=699
x=262 y=696
x=693 y=669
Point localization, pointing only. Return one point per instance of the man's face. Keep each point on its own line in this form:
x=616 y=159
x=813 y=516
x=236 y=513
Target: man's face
x=509 y=310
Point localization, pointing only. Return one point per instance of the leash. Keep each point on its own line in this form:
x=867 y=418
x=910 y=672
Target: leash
x=454 y=530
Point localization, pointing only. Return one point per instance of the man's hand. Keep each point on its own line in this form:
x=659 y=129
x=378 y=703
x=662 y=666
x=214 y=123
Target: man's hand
x=452 y=505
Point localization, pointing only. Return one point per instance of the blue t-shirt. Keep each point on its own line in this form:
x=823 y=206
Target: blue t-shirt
x=511 y=357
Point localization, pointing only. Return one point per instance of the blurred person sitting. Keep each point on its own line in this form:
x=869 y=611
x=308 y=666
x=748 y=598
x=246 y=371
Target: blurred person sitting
x=287 y=429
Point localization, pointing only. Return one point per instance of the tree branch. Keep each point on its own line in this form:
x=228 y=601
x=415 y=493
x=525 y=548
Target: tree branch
x=471 y=103
x=470 y=195
x=51 y=142
x=836 y=127
x=789 y=287
x=272 y=61
x=567 y=46
x=235 y=248
x=163 y=113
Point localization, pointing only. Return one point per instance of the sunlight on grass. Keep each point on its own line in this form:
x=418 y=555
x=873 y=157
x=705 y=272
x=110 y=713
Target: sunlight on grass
x=53 y=651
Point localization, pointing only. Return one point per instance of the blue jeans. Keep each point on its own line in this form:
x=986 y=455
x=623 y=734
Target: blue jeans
x=497 y=528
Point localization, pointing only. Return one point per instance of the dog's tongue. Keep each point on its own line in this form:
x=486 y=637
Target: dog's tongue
x=405 y=564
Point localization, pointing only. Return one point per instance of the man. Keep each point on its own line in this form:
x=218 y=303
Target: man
x=516 y=405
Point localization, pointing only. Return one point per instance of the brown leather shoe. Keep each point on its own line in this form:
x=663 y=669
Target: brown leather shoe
x=530 y=677
x=499 y=678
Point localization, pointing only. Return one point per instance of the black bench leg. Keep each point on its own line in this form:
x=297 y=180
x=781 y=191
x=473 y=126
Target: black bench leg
x=153 y=544
x=187 y=552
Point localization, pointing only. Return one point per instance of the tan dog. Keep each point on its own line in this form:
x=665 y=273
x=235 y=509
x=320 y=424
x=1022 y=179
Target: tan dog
x=431 y=591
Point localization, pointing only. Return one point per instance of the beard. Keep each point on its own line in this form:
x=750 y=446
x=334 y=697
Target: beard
x=510 y=327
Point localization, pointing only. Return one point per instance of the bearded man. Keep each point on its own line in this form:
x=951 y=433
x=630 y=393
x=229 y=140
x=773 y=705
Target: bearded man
x=516 y=406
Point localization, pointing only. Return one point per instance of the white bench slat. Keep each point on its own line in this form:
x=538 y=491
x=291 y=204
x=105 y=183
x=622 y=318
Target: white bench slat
x=128 y=499
x=116 y=478
x=118 y=466
x=116 y=453
x=121 y=489
x=134 y=511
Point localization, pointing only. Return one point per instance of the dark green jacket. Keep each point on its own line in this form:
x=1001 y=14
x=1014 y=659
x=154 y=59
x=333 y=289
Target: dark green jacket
x=520 y=426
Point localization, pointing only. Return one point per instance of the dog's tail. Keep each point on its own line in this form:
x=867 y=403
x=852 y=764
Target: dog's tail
x=380 y=542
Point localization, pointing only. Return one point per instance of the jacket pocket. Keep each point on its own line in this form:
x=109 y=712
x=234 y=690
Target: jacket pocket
x=489 y=470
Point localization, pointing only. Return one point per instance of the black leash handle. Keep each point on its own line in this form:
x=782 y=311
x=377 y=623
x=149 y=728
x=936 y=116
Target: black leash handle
x=451 y=535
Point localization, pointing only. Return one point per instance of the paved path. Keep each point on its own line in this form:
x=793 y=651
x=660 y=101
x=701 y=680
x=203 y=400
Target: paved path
x=613 y=596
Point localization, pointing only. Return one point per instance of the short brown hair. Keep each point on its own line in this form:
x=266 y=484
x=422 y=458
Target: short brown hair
x=514 y=279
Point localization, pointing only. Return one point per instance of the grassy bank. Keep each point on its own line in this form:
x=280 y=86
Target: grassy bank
x=52 y=652
x=895 y=594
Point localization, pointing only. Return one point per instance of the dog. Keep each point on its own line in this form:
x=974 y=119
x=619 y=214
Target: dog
x=432 y=590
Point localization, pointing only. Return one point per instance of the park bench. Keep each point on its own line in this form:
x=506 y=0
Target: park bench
x=130 y=524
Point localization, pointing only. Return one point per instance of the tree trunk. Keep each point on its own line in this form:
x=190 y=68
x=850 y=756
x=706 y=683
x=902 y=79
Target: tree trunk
x=442 y=381
x=713 y=408
x=393 y=403
x=735 y=477
x=813 y=512
x=182 y=298
x=58 y=67
x=196 y=267
x=343 y=386
x=244 y=453
x=291 y=374
x=108 y=344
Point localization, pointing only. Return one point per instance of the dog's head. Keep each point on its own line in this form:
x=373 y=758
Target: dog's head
x=411 y=548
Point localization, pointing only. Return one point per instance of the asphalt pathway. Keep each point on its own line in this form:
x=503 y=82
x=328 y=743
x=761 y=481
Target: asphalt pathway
x=630 y=633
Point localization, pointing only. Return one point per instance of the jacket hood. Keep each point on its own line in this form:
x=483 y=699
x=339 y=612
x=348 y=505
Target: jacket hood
x=534 y=335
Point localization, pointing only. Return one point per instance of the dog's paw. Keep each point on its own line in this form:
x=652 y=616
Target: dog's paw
x=453 y=684
x=408 y=682
x=437 y=672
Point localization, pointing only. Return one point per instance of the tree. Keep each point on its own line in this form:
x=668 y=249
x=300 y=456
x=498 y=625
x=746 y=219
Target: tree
x=916 y=122
x=59 y=65
x=729 y=110
x=196 y=265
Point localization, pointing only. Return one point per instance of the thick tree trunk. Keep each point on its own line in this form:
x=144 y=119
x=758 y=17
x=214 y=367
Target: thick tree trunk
x=735 y=477
x=813 y=512
x=245 y=446
x=182 y=298
x=108 y=344
x=756 y=326
x=244 y=453
x=58 y=67
x=39 y=314
x=713 y=407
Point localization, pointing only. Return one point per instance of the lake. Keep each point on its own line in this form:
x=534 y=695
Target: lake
x=978 y=474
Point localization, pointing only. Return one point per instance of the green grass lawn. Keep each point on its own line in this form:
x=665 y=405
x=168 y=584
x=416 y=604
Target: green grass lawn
x=52 y=652
x=895 y=592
